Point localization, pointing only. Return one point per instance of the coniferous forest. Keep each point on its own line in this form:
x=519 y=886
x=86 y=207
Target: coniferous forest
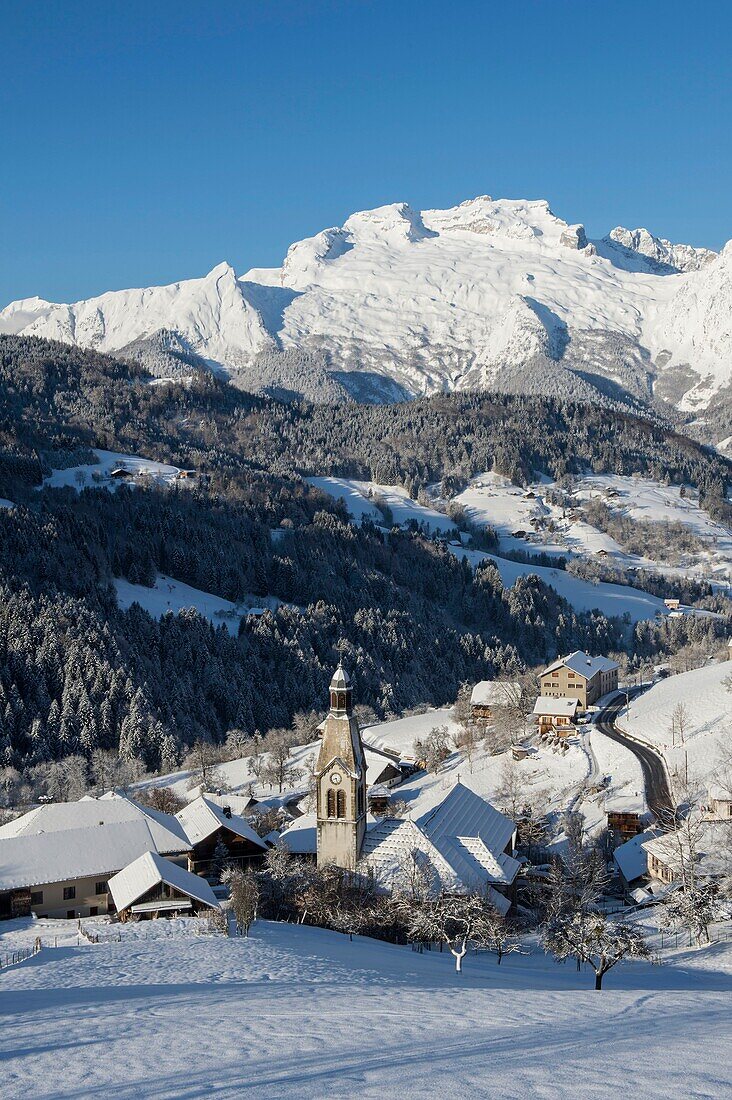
x=78 y=674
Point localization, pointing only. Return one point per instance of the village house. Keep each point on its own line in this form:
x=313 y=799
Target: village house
x=624 y=816
x=669 y=854
x=56 y=860
x=719 y=806
x=631 y=861
x=555 y=714
x=213 y=829
x=151 y=886
x=581 y=677
x=489 y=694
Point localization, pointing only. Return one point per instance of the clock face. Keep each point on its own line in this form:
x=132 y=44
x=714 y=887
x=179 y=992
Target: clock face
x=335 y=778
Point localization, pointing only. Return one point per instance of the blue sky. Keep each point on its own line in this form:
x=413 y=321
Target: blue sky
x=144 y=143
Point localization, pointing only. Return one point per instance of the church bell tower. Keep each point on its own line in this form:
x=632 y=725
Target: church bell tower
x=341 y=780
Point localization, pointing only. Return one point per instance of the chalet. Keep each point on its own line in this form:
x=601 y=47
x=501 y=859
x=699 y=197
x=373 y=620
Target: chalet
x=119 y=473
x=185 y=475
x=383 y=768
x=488 y=694
x=631 y=860
x=581 y=677
x=208 y=826
x=672 y=604
x=378 y=800
x=669 y=853
x=624 y=817
x=555 y=714
x=56 y=860
x=719 y=802
x=151 y=886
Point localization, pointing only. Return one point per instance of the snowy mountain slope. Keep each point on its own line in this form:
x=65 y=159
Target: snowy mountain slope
x=674 y=257
x=397 y=302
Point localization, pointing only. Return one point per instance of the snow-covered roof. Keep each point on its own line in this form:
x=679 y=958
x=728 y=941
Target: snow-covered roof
x=712 y=841
x=464 y=813
x=202 y=818
x=33 y=859
x=494 y=693
x=341 y=680
x=557 y=708
x=301 y=838
x=376 y=764
x=168 y=836
x=719 y=793
x=149 y=870
x=392 y=842
x=631 y=857
x=583 y=664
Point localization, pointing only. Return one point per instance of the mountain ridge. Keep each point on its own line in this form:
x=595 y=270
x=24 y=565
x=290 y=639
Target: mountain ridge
x=398 y=302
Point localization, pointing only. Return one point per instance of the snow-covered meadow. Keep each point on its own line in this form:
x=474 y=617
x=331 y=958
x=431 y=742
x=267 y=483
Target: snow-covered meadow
x=100 y=473
x=170 y=595
x=295 y=1011
x=704 y=745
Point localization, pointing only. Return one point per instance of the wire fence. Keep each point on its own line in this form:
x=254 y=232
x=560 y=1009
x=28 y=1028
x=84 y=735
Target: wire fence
x=12 y=958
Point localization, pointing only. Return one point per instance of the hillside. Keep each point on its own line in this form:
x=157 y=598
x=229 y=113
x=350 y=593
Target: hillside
x=499 y=294
x=699 y=746
x=412 y=616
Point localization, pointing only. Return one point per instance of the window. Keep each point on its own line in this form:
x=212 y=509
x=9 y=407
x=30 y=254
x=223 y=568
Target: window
x=70 y=914
x=93 y=910
x=340 y=803
x=331 y=802
x=36 y=897
x=100 y=888
x=69 y=893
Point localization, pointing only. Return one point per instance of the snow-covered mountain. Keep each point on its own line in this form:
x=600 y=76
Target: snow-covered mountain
x=398 y=302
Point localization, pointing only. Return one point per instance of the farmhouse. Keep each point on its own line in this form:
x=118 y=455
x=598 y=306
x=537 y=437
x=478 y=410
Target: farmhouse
x=580 y=677
x=151 y=886
x=670 y=854
x=489 y=694
x=56 y=860
x=211 y=829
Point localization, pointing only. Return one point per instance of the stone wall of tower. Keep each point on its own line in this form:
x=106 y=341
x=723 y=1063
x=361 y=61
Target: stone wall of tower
x=341 y=792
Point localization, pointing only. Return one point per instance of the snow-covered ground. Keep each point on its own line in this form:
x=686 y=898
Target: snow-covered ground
x=358 y=496
x=171 y=595
x=300 y=1012
x=513 y=510
x=610 y=599
x=5 y=503
x=706 y=747
x=91 y=474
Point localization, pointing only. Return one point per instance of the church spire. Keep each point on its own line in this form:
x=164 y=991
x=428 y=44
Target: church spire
x=340 y=779
x=341 y=693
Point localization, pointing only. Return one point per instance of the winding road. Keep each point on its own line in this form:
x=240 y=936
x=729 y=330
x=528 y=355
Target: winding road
x=658 y=795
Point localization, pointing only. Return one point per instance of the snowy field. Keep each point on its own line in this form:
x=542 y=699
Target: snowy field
x=610 y=599
x=493 y=500
x=358 y=497
x=89 y=475
x=707 y=745
x=172 y=595
x=299 y=1012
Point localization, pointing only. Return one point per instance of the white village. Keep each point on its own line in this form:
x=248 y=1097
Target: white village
x=519 y=842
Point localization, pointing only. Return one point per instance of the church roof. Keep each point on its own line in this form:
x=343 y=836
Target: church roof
x=341 y=680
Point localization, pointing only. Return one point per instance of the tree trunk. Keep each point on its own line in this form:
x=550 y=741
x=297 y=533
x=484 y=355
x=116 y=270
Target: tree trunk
x=599 y=974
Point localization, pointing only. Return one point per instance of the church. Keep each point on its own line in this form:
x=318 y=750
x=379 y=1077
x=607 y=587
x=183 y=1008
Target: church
x=466 y=843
